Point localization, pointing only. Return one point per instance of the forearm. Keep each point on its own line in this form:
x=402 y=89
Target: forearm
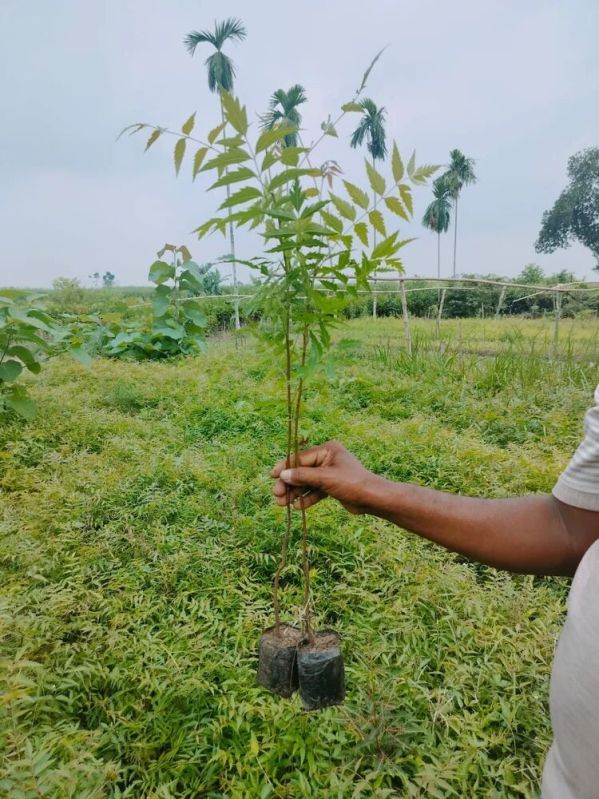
x=524 y=534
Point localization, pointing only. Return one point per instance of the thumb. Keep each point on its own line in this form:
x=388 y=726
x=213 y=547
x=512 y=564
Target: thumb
x=302 y=476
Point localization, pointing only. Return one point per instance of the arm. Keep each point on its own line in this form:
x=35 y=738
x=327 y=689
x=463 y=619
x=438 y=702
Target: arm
x=536 y=534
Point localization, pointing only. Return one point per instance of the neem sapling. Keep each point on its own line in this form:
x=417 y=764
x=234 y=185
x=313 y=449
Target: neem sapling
x=319 y=252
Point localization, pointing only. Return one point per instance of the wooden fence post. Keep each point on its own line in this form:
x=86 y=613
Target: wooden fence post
x=500 y=302
x=406 y=317
x=558 y=313
x=440 y=312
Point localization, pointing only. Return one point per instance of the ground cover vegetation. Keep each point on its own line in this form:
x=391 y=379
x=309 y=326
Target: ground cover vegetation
x=139 y=542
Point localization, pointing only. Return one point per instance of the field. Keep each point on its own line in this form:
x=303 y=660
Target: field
x=139 y=540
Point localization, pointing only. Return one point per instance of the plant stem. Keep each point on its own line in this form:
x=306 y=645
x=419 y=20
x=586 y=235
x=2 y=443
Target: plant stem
x=306 y=618
x=287 y=533
x=231 y=232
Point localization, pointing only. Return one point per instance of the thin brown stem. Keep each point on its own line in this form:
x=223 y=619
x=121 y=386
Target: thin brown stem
x=306 y=617
x=287 y=533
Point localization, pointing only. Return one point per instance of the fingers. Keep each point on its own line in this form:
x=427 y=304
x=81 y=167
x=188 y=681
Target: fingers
x=309 y=457
x=299 y=497
x=309 y=476
x=285 y=493
x=306 y=501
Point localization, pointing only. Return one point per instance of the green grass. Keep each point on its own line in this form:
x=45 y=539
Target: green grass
x=139 y=540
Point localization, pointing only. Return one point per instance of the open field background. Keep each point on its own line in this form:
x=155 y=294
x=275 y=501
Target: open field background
x=139 y=540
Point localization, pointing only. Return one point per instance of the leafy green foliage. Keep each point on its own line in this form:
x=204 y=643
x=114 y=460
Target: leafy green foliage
x=178 y=322
x=314 y=261
x=138 y=542
x=575 y=214
x=27 y=336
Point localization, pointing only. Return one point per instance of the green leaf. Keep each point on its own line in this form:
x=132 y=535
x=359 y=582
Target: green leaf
x=10 y=370
x=424 y=172
x=153 y=138
x=235 y=112
x=244 y=195
x=329 y=129
x=361 y=230
x=332 y=221
x=186 y=255
x=19 y=401
x=290 y=174
x=243 y=173
x=195 y=314
x=290 y=156
x=411 y=165
x=376 y=180
x=406 y=195
x=351 y=107
x=228 y=158
x=160 y=272
x=198 y=160
x=161 y=300
x=26 y=356
x=179 y=153
x=358 y=196
x=393 y=204
x=215 y=133
x=188 y=126
x=269 y=137
x=35 y=319
x=81 y=355
x=386 y=248
x=397 y=167
x=170 y=329
x=206 y=227
x=369 y=70
x=134 y=128
x=347 y=210
x=377 y=221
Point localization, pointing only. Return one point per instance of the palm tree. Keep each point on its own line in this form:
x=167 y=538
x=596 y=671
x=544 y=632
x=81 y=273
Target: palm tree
x=438 y=214
x=283 y=112
x=459 y=174
x=221 y=74
x=372 y=128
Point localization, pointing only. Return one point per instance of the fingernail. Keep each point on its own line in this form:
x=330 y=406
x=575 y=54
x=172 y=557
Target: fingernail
x=285 y=475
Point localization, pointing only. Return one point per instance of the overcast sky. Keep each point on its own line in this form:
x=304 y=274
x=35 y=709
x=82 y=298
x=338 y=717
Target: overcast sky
x=513 y=84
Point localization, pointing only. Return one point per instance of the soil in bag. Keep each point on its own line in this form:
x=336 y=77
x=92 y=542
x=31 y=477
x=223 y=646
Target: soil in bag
x=320 y=670
x=277 y=659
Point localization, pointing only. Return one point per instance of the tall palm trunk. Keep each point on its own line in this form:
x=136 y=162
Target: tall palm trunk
x=438 y=255
x=374 y=241
x=455 y=234
x=231 y=234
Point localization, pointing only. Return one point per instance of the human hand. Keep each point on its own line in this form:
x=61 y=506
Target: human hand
x=328 y=470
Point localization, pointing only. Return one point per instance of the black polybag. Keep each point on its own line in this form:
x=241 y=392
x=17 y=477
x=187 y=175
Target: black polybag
x=321 y=674
x=277 y=662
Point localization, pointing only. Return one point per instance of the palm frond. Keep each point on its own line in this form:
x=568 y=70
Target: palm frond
x=221 y=72
x=372 y=128
x=194 y=38
x=282 y=110
x=231 y=28
x=461 y=171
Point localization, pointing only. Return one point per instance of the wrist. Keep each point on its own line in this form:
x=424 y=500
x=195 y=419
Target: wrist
x=376 y=494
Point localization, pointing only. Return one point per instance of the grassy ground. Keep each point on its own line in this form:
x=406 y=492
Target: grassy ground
x=139 y=539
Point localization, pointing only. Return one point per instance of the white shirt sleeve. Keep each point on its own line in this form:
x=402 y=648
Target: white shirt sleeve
x=578 y=484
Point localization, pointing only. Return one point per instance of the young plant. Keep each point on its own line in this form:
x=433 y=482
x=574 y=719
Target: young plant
x=28 y=335
x=178 y=324
x=319 y=252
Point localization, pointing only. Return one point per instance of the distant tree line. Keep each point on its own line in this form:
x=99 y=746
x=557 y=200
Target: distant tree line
x=483 y=300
